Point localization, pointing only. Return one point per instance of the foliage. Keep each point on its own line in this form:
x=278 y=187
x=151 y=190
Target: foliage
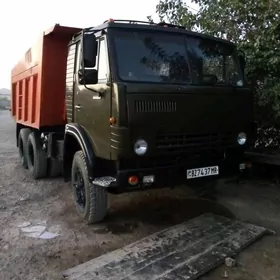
x=255 y=26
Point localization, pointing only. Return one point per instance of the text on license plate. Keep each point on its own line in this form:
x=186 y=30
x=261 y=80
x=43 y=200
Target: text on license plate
x=202 y=172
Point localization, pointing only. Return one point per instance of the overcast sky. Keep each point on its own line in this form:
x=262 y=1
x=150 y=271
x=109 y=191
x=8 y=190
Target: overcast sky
x=22 y=21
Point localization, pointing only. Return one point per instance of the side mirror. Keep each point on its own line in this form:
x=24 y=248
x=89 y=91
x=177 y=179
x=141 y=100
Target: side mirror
x=89 y=50
x=88 y=76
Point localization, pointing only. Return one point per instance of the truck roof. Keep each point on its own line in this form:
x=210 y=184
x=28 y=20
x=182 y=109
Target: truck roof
x=162 y=26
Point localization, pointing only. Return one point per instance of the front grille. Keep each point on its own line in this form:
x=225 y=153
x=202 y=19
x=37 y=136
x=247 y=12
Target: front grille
x=181 y=149
x=193 y=145
x=150 y=106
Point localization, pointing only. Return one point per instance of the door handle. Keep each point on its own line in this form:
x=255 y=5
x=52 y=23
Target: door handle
x=78 y=107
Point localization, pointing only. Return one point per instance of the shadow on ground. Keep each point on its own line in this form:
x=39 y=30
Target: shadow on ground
x=159 y=208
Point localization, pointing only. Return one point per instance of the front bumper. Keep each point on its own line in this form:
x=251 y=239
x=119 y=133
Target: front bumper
x=172 y=175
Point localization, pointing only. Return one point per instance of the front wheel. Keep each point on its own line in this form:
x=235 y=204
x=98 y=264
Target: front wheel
x=91 y=200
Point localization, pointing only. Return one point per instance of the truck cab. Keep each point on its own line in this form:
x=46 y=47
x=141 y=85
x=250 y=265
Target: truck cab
x=159 y=102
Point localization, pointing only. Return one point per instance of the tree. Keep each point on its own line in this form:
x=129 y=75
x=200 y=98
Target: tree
x=255 y=26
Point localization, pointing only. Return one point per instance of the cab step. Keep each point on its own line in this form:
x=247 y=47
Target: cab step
x=104 y=181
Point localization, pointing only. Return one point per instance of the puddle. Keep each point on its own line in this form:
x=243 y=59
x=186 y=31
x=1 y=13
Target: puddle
x=39 y=230
x=48 y=235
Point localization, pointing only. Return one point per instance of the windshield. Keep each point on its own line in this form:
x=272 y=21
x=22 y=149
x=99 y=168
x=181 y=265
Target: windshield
x=171 y=58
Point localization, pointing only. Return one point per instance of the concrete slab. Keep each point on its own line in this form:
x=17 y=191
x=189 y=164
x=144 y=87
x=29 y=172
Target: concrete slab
x=184 y=251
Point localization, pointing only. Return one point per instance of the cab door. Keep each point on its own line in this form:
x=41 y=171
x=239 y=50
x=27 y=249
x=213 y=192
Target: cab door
x=93 y=102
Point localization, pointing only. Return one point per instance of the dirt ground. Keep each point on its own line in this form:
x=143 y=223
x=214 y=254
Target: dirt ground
x=48 y=205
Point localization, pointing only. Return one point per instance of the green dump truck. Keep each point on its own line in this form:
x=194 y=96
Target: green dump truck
x=128 y=106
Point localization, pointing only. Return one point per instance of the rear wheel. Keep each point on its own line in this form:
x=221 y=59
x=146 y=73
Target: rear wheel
x=22 y=146
x=36 y=157
x=91 y=200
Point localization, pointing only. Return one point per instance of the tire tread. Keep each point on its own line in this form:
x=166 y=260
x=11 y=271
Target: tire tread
x=39 y=170
x=97 y=199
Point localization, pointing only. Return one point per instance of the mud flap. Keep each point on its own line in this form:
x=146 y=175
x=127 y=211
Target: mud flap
x=184 y=251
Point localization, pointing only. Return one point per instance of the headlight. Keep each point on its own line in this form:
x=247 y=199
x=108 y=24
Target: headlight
x=140 y=147
x=241 y=138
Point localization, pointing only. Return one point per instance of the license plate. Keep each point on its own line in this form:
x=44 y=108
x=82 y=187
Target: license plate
x=202 y=172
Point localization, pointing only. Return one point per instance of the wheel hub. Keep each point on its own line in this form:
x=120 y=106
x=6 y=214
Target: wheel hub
x=79 y=189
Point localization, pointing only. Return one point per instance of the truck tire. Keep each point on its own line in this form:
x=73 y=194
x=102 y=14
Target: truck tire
x=22 y=146
x=54 y=167
x=36 y=157
x=91 y=200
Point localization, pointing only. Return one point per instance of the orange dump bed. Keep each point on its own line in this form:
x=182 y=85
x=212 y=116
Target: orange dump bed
x=38 y=80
